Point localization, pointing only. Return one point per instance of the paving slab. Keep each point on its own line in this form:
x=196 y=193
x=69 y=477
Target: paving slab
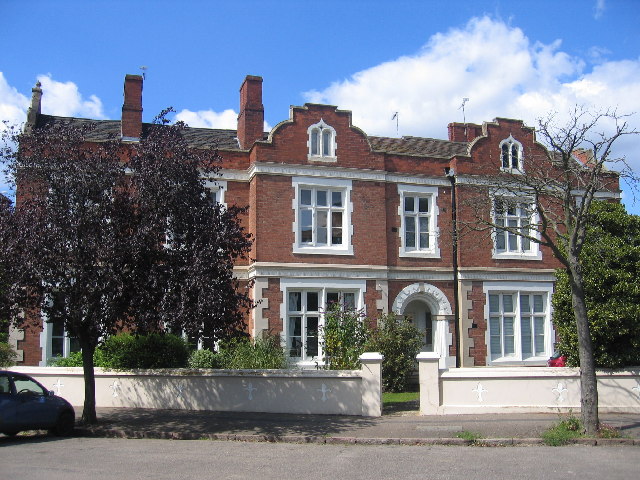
x=398 y=427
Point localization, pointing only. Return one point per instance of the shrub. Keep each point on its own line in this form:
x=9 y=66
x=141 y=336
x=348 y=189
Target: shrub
x=7 y=355
x=563 y=432
x=204 y=358
x=399 y=341
x=75 y=360
x=345 y=335
x=242 y=353
x=156 y=350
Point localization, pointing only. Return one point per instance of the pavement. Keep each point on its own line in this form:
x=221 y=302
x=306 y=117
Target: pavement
x=396 y=426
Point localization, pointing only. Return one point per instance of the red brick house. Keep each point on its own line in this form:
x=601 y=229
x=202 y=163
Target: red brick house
x=338 y=215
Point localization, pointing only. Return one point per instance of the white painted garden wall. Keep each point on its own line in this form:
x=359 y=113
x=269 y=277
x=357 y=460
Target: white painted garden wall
x=519 y=389
x=345 y=392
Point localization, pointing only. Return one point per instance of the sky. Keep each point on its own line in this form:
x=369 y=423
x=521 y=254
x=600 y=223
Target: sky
x=516 y=59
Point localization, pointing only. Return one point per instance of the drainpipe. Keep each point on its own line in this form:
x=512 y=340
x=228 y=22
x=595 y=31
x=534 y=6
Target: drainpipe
x=450 y=173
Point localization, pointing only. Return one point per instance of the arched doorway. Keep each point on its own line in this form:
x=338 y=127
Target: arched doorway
x=420 y=315
x=430 y=309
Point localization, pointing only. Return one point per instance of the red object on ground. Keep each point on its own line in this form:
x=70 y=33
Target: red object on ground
x=557 y=361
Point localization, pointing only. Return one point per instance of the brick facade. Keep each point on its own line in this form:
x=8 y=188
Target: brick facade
x=357 y=184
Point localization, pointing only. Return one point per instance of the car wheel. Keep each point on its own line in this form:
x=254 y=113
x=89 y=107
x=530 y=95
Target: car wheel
x=65 y=424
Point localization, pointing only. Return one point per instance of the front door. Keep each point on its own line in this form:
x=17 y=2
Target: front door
x=420 y=315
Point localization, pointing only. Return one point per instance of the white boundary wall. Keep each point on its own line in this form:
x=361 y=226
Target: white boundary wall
x=344 y=392
x=519 y=389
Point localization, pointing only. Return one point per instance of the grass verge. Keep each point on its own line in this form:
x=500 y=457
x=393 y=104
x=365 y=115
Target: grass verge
x=570 y=428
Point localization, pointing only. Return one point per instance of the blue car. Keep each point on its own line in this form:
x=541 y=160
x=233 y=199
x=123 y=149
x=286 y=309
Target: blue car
x=27 y=405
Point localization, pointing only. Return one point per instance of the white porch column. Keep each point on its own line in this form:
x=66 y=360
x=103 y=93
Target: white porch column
x=429 y=378
x=371 y=384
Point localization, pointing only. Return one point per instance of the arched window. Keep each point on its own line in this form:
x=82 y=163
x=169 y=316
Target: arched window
x=322 y=142
x=511 y=155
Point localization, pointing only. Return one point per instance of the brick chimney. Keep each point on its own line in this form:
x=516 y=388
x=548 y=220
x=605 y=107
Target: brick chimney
x=251 y=117
x=464 y=132
x=131 y=125
x=34 y=109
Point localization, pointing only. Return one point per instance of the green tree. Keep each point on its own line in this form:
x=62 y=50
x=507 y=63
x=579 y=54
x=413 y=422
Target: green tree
x=610 y=261
x=344 y=337
x=399 y=341
x=108 y=235
x=556 y=191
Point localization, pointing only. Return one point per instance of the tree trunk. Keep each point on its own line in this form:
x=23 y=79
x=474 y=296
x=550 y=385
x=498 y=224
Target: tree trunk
x=588 y=381
x=89 y=410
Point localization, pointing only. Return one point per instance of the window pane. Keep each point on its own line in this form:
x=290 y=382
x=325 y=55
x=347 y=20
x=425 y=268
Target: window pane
x=509 y=344
x=409 y=204
x=312 y=301
x=306 y=226
x=423 y=205
x=505 y=155
x=57 y=328
x=305 y=197
x=349 y=301
x=500 y=242
x=538 y=304
x=496 y=339
x=332 y=299
x=494 y=303
x=57 y=346
x=326 y=143
x=507 y=303
x=514 y=156
x=315 y=142
x=336 y=230
x=322 y=228
x=312 y=337
x=295 y=337
x=524 y=303
x=513 y=242
x=424 y=240
x=321 y=198
x=525 y=329
x=336 y=199
x=23 y=383
x=295 y=303
x=538 y=325
x=410 y=232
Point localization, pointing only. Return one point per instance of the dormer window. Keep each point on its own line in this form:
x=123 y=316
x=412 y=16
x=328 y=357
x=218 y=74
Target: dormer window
x=511 y=155
x=322 y=142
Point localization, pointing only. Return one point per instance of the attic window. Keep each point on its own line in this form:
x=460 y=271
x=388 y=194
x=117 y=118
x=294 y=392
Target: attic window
x=511 y=155
x=322 y=142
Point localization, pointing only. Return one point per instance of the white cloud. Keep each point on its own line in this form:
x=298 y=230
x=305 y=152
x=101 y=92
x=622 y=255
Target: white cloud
x=59 y=98
x=65 y=100
x=501 y=71
x=598 y=9
x=227 y=119
x=13 y=105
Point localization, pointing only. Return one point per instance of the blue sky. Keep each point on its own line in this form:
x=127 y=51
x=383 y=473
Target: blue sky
x=519 y=59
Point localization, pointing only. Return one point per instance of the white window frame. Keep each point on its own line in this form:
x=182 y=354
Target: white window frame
x=511 y=144
x=345 y=186
x=46 y=342
x=217 y=189
x=324 y=152
x=534 y=252
x=323 y=287
x=516 y=289
x=431 y=194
